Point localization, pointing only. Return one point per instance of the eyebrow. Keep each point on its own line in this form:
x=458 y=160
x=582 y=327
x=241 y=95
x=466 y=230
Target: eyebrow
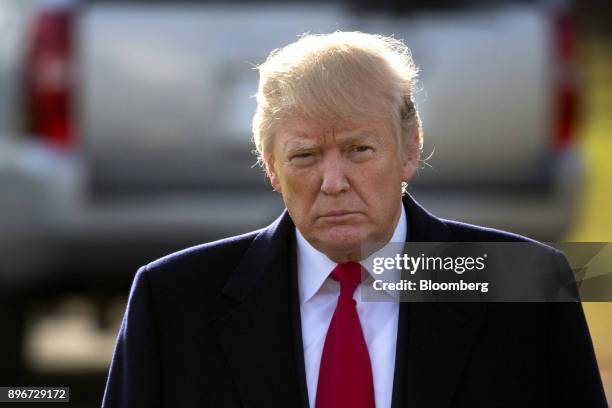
x=357 y=137
x=305 y=144
x=299 y=145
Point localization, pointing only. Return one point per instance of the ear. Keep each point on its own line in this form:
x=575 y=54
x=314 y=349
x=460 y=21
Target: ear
x=410 y=160
x=272 y=174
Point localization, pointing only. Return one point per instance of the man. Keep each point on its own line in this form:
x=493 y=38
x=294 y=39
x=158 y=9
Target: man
x=273 y=318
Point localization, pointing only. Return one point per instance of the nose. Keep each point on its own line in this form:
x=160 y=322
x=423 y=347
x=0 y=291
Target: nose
x=334 y=176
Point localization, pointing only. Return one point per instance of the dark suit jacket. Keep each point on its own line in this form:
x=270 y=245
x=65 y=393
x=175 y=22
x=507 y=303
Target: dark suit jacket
x=218 y=325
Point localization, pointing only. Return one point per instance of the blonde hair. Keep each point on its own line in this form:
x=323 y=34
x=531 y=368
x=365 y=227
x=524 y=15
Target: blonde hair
x=345 y=76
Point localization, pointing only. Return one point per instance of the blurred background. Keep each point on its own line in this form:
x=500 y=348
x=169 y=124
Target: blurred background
x=125 y=135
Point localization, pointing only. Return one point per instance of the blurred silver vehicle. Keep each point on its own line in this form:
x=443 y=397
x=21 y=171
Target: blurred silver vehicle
x=125 y=125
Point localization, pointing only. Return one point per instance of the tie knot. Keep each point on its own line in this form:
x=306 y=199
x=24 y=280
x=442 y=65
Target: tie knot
x=349 y=276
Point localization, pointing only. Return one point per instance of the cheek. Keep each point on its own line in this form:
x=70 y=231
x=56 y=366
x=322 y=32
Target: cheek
x=378 y=177
x=300 y=189
x=379 y=186
x=299 y=181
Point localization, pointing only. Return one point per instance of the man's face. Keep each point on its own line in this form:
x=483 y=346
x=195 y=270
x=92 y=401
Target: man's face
x=341 y=183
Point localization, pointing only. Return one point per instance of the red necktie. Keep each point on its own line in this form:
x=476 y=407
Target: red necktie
x=345 y=375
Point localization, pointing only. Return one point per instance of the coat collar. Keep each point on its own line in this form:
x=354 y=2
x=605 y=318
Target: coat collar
x=269 y=245
x=259 y=334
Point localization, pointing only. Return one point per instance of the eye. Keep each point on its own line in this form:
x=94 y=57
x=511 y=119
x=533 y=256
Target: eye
x=362 y=149
x=360 y=153
x=302 y=159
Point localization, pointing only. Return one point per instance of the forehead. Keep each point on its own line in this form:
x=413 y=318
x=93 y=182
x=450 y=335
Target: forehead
x=302 y=131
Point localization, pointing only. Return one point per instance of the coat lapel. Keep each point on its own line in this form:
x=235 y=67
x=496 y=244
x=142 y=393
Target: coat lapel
x=258 y=334
x=434 y=339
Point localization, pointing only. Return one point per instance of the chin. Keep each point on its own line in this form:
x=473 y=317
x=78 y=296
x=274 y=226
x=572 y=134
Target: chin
x=342 y=239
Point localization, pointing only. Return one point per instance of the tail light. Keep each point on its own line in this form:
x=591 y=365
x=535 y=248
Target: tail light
x=49 y=78
x=566 y=94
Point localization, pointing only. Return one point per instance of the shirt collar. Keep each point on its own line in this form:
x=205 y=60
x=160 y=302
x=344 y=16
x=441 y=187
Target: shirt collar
x=314 y=266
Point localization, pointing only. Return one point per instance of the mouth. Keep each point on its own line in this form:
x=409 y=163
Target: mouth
x=338 y=216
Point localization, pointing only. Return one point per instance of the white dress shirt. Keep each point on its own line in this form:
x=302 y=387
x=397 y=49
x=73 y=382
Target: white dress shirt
x=318 y=298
